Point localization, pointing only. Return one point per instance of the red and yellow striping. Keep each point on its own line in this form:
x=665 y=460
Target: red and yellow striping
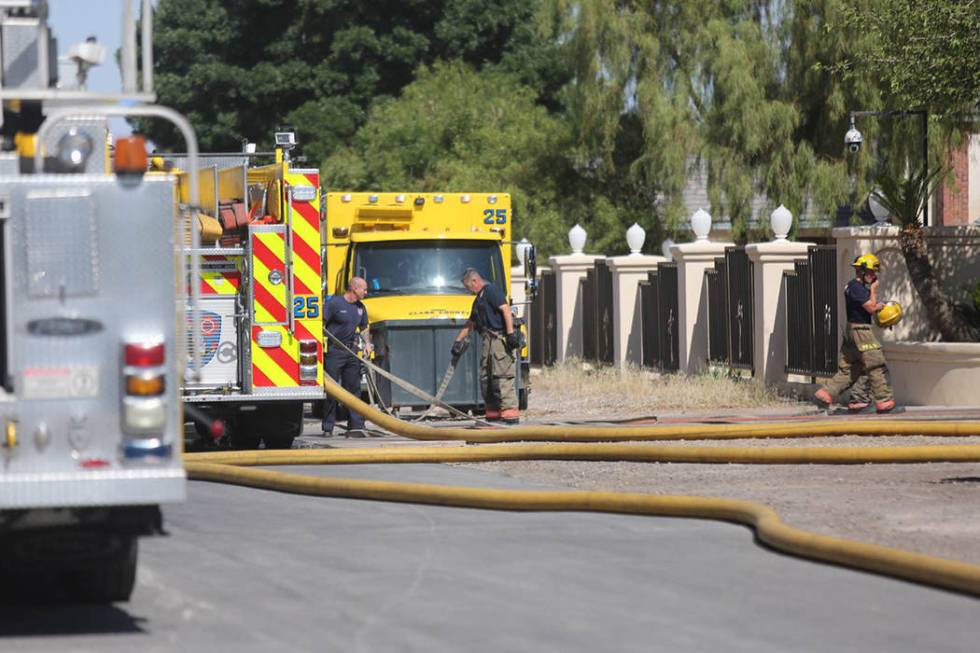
x=224 y=279
x=277 y=367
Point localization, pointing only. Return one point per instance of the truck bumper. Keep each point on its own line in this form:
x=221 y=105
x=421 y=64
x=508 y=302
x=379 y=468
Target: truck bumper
x=93 y=488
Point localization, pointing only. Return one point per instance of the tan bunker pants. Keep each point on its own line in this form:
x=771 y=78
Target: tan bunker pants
x=497 y=374
x=860 y=353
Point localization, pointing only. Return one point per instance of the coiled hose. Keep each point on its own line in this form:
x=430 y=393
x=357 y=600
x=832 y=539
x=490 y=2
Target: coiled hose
x=229 y=467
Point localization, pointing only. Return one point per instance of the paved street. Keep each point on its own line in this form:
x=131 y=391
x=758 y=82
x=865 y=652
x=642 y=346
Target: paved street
x=251 y=570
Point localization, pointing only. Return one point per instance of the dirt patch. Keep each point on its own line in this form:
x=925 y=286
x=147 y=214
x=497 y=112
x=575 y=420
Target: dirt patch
x=931 y=508
x=604 y=391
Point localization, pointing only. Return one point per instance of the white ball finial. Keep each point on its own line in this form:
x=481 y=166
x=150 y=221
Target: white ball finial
x=701 y=225
x=635 y=236
x=519 y=250
x=781 y=221
x=879 y=212
x=665 y=249
x=576 y=238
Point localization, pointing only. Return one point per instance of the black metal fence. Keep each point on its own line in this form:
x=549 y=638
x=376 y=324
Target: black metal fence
x=597 y=314
x=716 y=283
x=544 y=321
x=811 y=314
x=587 y=292
x=740 y=321
x=659 y=318
x=604 y=319
x=649 y=321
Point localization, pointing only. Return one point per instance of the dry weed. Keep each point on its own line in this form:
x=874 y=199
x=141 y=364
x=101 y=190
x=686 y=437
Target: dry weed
x=574 y=387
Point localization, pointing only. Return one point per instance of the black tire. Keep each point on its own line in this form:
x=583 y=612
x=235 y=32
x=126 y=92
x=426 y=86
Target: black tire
x=245 y=432
x=278 y=442
x=107 y=579
x=316 y=409
x=281 y=423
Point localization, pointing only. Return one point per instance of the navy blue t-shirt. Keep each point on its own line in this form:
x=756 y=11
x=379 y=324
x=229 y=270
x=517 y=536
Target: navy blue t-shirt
x=342 y=318
x=855 y=296
x=486 y=308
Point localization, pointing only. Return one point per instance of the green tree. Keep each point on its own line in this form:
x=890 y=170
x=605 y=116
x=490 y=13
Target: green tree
x=743 y=89
x=923 y=56
x=925 y=52
x=239 y=68
x=456 y=129
x=904 y=197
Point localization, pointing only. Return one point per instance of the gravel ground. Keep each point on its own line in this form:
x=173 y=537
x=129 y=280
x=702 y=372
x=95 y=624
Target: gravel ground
x=931 y=508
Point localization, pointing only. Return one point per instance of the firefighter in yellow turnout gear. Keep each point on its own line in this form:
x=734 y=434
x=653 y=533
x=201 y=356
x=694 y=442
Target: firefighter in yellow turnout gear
x=860 y=352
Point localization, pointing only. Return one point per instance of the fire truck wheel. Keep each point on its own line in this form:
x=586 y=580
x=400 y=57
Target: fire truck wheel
x=278 y=442
x=280 y=424
x=245 y=433
x=109 y=578
x=316 y=409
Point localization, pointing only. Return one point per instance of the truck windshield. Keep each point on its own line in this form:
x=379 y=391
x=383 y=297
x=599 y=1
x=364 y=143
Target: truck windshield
x=425 y=266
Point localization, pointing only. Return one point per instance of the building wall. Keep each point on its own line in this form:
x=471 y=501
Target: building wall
x=973 y=165
x=952 y=198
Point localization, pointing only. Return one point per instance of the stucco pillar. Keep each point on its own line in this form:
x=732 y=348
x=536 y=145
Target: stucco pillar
x=569 y=270
x=627 y=273
x=769 y=261
x=692 y=300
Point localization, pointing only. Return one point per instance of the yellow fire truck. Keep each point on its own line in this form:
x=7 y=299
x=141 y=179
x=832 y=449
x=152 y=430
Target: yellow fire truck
x=412 y=249
x=260 y=288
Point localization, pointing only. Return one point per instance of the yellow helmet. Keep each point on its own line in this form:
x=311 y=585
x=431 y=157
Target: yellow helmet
x=889 y=315
x=868 y=262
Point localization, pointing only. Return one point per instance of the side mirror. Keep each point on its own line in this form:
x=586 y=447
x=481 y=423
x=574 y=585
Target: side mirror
x=530 y=272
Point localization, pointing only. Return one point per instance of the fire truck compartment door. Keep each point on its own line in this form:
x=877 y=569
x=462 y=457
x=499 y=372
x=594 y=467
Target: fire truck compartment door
x=270 y=285
x=219 y=336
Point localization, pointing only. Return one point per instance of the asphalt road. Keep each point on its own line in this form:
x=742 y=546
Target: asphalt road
x=251 y=570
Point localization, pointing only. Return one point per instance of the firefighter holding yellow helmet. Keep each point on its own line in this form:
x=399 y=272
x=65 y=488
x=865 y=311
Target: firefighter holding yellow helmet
x=860 y=351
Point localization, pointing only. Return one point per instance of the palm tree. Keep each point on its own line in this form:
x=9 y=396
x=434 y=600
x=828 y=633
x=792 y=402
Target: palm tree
x=904 y=199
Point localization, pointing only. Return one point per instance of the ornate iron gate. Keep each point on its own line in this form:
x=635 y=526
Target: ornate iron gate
x=659 y=309
x=587 y=293
x=716 y=283
x=739 y=294
x=604 y=318
x=669 y=311
x=811 y=314
x=799 y=320
x=544 y=318
x=823 y=263
x=649 y=321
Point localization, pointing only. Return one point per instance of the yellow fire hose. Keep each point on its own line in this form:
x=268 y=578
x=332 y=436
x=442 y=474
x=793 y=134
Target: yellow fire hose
x=638 y=453
x=587 y=433
x=227 y=467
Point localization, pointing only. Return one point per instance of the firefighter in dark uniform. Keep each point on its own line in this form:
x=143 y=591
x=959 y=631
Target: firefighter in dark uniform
x=343 y=315
x=860 y=351
x=491 y=316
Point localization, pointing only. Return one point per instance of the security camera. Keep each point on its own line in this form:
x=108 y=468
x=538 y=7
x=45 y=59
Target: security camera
x=853 y=139
x=88 y=52
x=85 y=55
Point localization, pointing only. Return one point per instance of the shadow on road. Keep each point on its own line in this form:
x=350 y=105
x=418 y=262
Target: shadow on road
x=41 y=608
x=53 y=620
